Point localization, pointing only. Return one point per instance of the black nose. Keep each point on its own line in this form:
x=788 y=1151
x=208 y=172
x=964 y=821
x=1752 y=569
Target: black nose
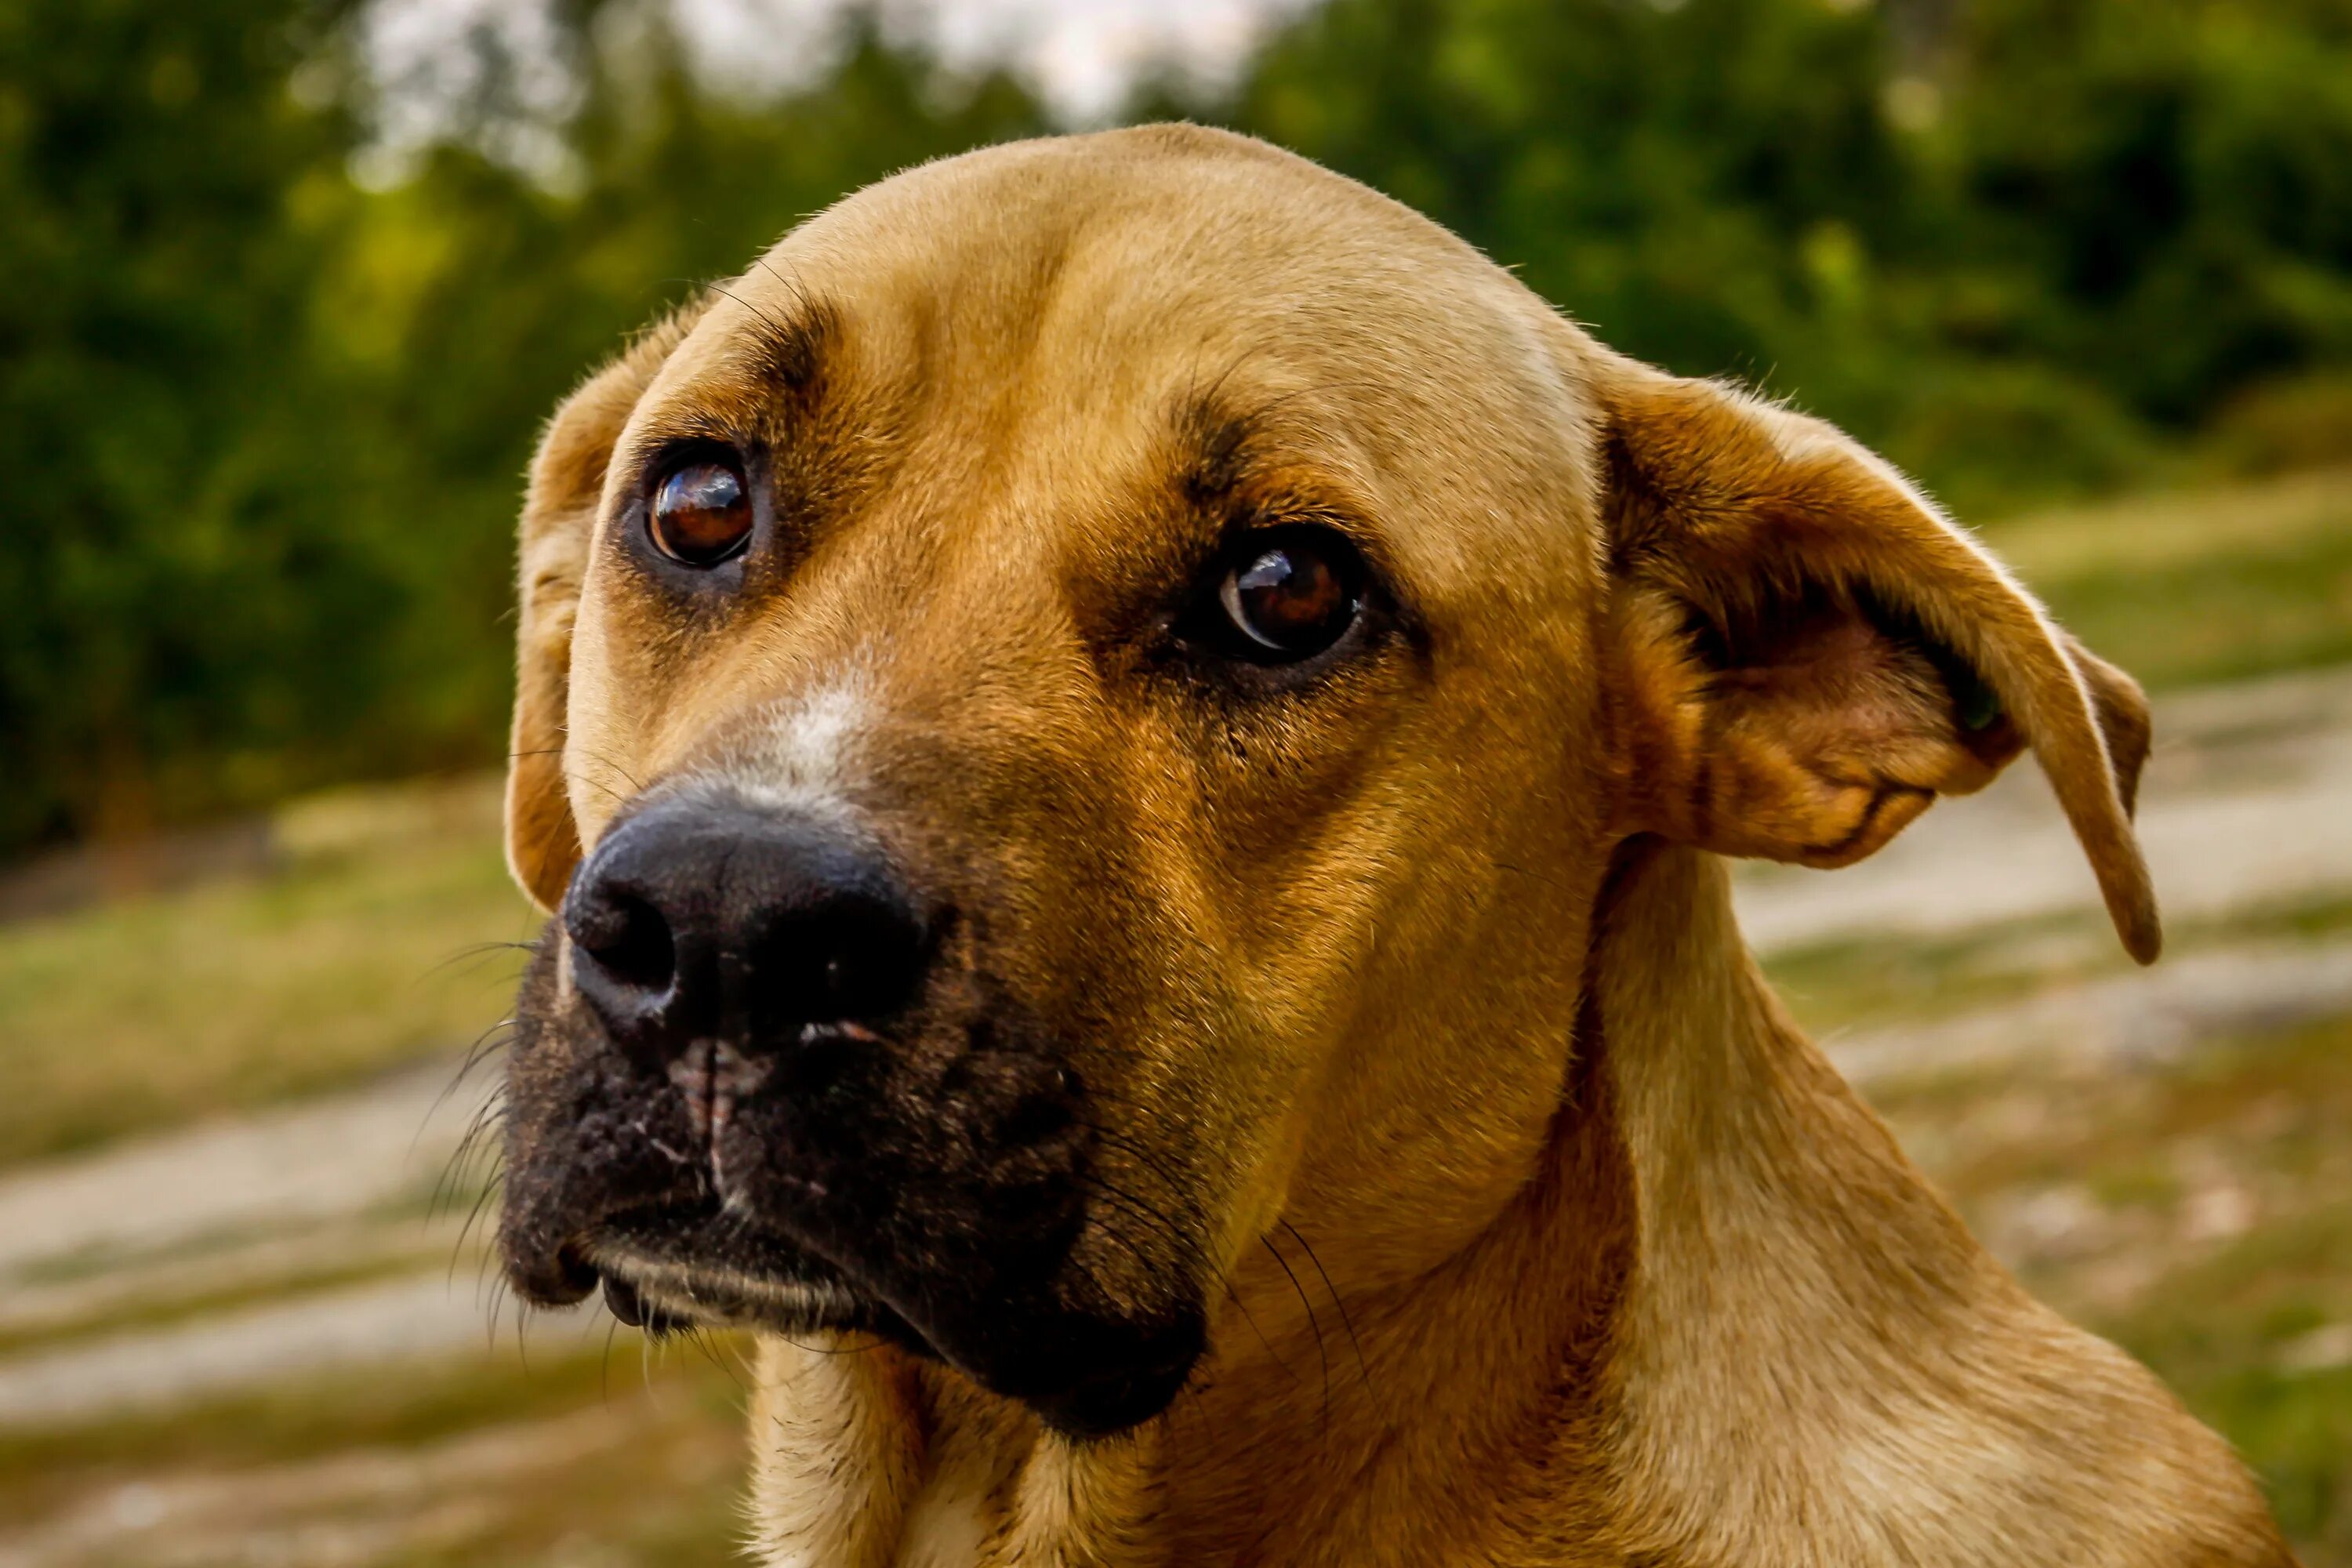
x=697 y=920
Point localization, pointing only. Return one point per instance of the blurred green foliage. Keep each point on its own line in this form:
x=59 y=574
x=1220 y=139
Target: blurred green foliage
x=265 y=426
x=2014 y=242
x=263 y=423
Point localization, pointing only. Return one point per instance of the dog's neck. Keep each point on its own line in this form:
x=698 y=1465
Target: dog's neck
x=1725 y=1322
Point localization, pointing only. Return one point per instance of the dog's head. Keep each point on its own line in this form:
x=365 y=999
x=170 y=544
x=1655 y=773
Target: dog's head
x=1076 y=714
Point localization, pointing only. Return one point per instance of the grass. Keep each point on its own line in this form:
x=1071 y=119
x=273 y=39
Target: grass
x=660 y=1490
x=1844 y=984
x=361 y=950
x=2220 y=1331
x=153 y=1309
x=2208 y=585
x=2209 y=1232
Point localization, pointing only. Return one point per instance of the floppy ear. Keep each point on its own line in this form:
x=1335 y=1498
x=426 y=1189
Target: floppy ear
x=559 y=515
x=1811 y=653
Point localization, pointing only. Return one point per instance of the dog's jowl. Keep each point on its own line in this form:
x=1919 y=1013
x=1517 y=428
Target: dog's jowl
x=1128 y=750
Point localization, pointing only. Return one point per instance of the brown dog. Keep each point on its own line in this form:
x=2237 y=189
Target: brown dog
x=1152 y=737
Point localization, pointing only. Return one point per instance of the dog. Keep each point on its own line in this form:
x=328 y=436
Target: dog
x=1131 y=751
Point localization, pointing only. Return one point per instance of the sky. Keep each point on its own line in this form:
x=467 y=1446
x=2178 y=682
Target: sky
x=1079 y=54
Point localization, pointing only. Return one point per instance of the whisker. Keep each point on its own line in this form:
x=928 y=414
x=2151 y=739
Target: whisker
x=473 y=1217
x=1363 y=1368
x=486 y=1045
x=488 y=1119
x=477 y=950
x=726 y=293
x=1312 y=1321
x=705 y=1345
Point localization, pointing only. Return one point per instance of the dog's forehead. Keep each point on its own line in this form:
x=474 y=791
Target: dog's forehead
x=1069 y=298
x=1155 y=243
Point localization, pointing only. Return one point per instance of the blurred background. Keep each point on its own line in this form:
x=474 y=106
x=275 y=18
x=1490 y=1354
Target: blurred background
x=285 y=287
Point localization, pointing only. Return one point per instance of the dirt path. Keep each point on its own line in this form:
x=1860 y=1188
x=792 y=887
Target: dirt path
x=344 y=1510
x=2246 y=803
x=2117 y=1022
x=324 y=1158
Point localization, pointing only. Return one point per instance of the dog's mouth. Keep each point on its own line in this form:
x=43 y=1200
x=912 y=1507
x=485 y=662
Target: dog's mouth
x=671 y=1269
x=932 y=1187
x=703 y=1266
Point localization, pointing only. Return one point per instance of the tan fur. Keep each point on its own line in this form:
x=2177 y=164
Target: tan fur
x=1433 y=972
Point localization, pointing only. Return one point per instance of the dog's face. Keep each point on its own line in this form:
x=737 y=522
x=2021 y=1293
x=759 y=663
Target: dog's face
x=1075 y=713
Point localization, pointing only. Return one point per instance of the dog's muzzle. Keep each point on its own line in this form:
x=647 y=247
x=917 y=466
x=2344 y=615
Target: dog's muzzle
x=770 y=1094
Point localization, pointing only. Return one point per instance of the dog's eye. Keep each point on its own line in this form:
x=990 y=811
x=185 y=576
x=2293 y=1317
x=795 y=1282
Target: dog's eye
x=1290 y=595
x=701 y=514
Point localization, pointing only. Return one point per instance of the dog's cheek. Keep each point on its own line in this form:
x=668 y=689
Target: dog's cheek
x=1087 y=930
x=955 y=1153
x=1266 y=771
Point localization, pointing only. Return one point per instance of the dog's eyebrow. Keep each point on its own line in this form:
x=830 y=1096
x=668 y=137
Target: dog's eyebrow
x=786 y=352
x=1261 y=460
x=782 y=355
x=1213 y=446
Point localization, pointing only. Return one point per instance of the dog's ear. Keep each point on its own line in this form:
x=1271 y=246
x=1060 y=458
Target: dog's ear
x=1809 y=653
x=559 y=515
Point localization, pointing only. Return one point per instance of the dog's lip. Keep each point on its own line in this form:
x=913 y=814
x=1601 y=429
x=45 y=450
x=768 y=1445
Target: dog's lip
x=653 y=1293
x=670 y=1264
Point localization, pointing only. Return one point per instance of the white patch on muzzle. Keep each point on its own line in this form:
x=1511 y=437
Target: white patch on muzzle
x=796 y=756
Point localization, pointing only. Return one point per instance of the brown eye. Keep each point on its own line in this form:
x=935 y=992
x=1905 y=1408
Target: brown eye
x=1291 y=597
x=701 y=514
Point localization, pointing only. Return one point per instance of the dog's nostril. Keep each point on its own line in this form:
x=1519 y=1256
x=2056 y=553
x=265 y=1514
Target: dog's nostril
x=850 y=961
x=1037 y=1119
x=630 y=942
x=857 y=987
